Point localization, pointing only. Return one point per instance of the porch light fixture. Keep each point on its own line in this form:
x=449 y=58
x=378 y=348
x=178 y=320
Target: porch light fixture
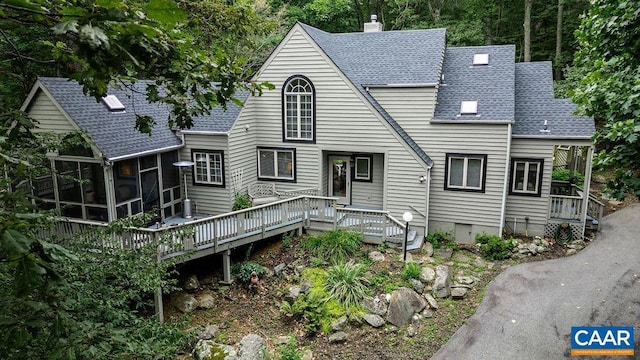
x=186 y=206
x=407 y=217
x=422 y=178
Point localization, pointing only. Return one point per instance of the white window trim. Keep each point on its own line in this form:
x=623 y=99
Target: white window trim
x=466 y=158
x=356 y=175
x=208 y=168
x=275 y=164
x=527 y=163
x=298 y=102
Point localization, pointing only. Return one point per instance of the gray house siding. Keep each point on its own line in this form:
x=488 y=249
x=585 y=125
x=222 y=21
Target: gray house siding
x=411 y=107
x=462 y=212
x=49 y=117
x=370 y=193
x=536 y=209
x=208 y=199
x=336 y=101
x=242 y=145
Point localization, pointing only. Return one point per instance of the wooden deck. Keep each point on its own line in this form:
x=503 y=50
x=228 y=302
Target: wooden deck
x=221 y=233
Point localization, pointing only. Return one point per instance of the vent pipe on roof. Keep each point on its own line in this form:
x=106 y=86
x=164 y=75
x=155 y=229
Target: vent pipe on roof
x=374 y=25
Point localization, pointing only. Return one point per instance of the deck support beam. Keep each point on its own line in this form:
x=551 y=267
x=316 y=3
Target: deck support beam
x=159 y=305
x=226 y=267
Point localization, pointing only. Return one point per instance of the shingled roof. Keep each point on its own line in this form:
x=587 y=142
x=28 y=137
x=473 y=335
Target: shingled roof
x=410 y=57
x=491 y=85
x=113 y=132
x=535 y=104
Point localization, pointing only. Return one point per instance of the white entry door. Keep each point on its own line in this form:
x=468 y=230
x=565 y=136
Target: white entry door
x=340 y=179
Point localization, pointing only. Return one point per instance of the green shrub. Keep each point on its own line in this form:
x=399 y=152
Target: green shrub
x=287 y=239
x=411 y=271
x=242 y=271
x=565 y=174
x=440 y=238
x=241 y=202
x=309 y=308
x=336 y=246
x=289 y=351
x=493 y=247
x=345 y=283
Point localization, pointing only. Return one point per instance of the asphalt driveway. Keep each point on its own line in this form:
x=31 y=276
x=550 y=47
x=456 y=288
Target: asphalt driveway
x=528 y=310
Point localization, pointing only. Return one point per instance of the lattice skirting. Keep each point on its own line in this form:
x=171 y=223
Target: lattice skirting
x=550 y=229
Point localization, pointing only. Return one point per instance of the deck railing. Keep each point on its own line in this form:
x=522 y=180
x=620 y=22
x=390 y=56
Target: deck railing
x=565 y=207
x=223 y=230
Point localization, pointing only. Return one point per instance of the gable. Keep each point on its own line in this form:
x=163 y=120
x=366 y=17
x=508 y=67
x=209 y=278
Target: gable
x=46 y=112
x=341 y=107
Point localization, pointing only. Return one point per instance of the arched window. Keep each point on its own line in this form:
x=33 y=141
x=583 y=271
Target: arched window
x=298 y=97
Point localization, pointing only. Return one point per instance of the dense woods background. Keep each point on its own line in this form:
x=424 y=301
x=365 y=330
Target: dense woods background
x=71 y=302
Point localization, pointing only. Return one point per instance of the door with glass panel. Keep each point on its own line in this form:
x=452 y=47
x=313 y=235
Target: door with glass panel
x=340 y=179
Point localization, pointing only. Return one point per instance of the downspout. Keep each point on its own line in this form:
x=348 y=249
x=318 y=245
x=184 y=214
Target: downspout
x=426 y=213
x=506 y=180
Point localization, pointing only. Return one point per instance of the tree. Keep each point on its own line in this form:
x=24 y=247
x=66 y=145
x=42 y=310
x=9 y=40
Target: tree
x=83 y=300
x=609 y=89
x=98 y=43
x=527 y=30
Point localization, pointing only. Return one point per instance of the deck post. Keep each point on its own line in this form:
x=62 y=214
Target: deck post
x=157 y=297
x=226 y=267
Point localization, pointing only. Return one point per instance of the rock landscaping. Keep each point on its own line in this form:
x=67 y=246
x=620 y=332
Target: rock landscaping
x=292 y=311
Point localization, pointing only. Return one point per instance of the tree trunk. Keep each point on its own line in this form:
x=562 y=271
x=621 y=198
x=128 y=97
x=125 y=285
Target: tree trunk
x=527 y=30
x=558 y=62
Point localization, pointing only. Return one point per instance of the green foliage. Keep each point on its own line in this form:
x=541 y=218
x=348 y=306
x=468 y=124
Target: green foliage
x=287 y=239
x=335 y=246
x=440 y=238
x=345 y=283
x=242 y=271
x=308 y=308
x=289 y=351
x=493 y=247
x=241 y=202
x=121 y=41
x=565 y=175
x=411 y=270
x=608 y=65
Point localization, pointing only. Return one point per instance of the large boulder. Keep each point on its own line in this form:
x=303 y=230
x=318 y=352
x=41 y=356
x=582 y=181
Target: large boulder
x=375 y=305
x=252 y=347
x=404 y=303
x=191 y=283
x=205 y=301
x=442 y=283
x=184 y=302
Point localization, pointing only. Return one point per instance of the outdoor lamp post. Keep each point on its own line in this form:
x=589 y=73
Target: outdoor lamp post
x=186 y=204
x=407 y=217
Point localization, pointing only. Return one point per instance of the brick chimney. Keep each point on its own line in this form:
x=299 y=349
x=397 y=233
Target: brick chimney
x=374 y=25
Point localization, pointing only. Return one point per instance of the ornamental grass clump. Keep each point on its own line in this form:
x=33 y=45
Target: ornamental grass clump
x=345 y=283
x=335 y=246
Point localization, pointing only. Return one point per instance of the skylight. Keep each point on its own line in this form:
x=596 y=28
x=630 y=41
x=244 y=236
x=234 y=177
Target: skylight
x=480 y=59
x=113 y=103
x=469 y=108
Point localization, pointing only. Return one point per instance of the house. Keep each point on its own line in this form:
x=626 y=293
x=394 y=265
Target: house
x=464 y=138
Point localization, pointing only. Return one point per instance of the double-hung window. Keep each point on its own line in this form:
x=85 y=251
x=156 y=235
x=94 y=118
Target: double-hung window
x=526 y=176
x=208 y=168
x=276 y=164
x=298 y=99
x=465 y=172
